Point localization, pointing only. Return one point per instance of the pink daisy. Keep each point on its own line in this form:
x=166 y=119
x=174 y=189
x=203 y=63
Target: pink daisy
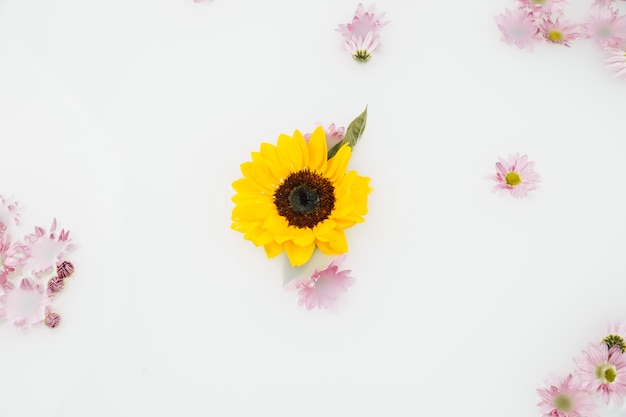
x=606 y=27
x=559 y=32
x=12 y=255
x=334 y=135
x=540 y=8
x=566 y=398
x=46 y=249
x=323 y=287
x=515 y=176
x=518 y=28
x=26 y=305
x=9 y=211
x=603 y=370
x=363 y=22
x=616 y=336
x=616 y=62
x=361 y=48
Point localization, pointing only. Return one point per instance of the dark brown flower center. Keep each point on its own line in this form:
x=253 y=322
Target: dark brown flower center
x=305 y=198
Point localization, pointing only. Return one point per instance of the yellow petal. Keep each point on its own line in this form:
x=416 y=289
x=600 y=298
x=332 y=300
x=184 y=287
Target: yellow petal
x=338 y=164
x=289 y=153
x=317 y=150
x=272 y=249
x=298 y=255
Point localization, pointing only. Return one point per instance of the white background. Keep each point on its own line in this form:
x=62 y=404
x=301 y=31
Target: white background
x=128 y=119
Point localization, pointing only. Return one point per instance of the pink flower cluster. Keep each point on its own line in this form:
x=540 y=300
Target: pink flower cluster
x=33 y=269
x=600 y=373
x=361 y=38
x=535 y=20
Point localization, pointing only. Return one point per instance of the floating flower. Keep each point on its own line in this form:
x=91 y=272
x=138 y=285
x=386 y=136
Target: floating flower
x=292 y=198
x=363 y=22
x=26 y=305
x=616 y=62
x=515 y=176
x=559 y=32
x=566 y=398
x=361 y=48
x=323 y=287
x=604 y=371
x=46 y=249
x=606 y=27
x=518 y=28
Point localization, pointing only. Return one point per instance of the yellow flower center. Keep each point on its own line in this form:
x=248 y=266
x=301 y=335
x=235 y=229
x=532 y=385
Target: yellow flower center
x=362 y=55
x=606 y=373
x=542 y=2
x=555 y=36
x=563 y=403
x=615 y=340
x=513 y=179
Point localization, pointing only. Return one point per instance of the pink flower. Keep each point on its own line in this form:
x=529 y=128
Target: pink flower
x=604 y=371
x=516 y=176
x=606 y=27
x=566 y=398
x=323 y=288
x=518 y=28
x=362 y=49
x=334 y=135
x=9 y=211
x=46 y=249
x=363 y=22
x=616 y=62
x=616 y=336
x=12 y=255
x=558 y=32
x=25 y=305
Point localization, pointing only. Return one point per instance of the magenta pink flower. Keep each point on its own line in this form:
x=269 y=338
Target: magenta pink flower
x=26 y=305
x=566 y=398
x=9 y=211
x=323 y=287
x=559 y=32
x=363 y=22
x=12 y=255
x=603 y=370
x=518 y=28
x=616 y=62
x=46 y=249
x=606 y=27
x=515 y=176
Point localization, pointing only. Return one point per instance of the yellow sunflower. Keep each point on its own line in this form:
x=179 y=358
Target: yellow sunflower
x=292 y=198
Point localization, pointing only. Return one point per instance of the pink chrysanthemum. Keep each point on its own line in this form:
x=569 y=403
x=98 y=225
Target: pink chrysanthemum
x=616 y=62
x=323 y=288
x=515 y=176
x=26 y=305
x=603 y=370
x=606 y=27
x=334 y=135
x=12 y=255
x=9 y=211
x=616 y=336
x=46 y=249
x=566 y=398
x=363 y=22
x=361 y=48
x=542 y=7
x=518 y=28
x=559 y=32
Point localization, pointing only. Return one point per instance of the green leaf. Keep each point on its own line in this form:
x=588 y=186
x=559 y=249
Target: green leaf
x=353 y=133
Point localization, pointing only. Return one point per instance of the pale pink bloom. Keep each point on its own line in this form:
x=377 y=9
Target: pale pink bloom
x=9 y=211
x=566 y=398
x=518 y=28
x=603 y=370
x=361 y=48
x=12 y=255
x=616 y=62
x=515 y=176
x=616 y=336
x=26 y=305
x=539 y=8
x=46 y=249
x=606 y=27
x=363 y=22
x=559 y=32
x=334 y=135
x=323 y=287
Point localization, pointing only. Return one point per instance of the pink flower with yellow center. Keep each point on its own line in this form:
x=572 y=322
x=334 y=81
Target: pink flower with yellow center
x=566 y=398
x=516 y=176
x=518 y=28
x=603 y=370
